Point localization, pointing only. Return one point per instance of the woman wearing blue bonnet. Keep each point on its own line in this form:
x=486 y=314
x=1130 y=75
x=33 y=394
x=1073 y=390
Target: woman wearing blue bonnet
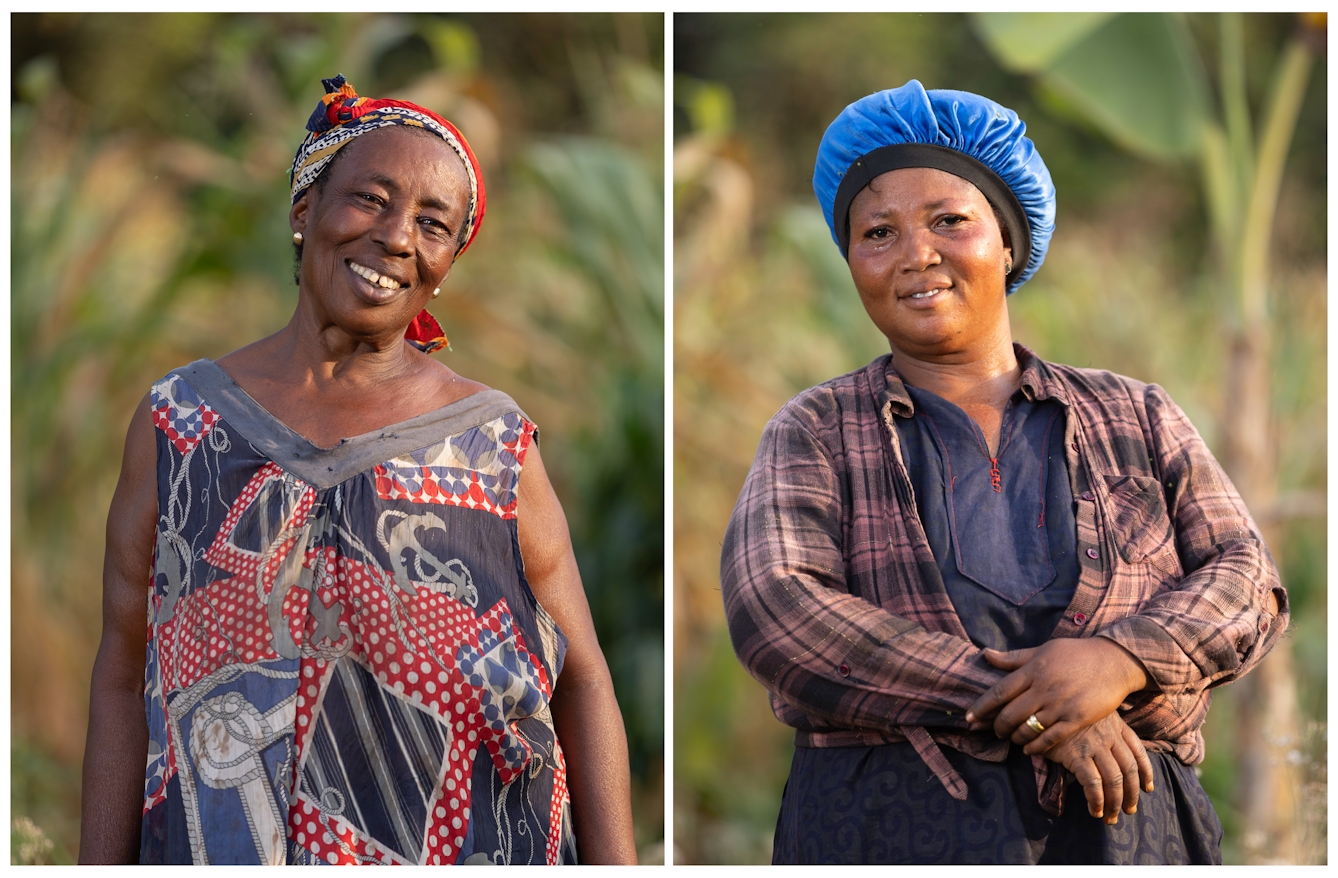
x=990 y=593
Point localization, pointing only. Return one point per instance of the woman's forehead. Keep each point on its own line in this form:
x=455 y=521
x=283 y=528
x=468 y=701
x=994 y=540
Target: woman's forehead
x=911 y=188
x=396 y=149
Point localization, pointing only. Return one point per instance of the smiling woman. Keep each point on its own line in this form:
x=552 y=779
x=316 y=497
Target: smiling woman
x=367 y=640
x=983 y=587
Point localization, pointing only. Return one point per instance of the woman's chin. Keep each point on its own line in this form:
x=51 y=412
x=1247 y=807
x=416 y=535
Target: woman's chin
x=378 y=296
x=371 y=321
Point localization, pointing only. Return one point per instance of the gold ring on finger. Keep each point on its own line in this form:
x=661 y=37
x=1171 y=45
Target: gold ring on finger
x=1034 y=724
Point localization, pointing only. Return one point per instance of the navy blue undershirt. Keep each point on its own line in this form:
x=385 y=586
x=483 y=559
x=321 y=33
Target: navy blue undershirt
x=1004 y=537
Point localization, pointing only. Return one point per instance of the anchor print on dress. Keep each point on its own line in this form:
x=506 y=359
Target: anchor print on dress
x=227 y=736
x=468 y=678
x=239 y=619
x=399 y=534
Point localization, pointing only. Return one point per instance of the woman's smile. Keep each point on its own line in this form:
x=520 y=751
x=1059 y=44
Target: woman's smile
x=373 y=287
x=926 y=294
x=381 y=280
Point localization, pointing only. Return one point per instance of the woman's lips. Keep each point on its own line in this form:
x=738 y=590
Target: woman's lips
x=924 y=298
x=373 y=277
x=372 y=286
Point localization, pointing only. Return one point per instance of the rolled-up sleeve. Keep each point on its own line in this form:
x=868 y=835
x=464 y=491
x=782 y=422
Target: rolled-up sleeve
x=793 y=622
x=1215 y=624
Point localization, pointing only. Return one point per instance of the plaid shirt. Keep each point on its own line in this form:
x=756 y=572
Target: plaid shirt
x=835 y=603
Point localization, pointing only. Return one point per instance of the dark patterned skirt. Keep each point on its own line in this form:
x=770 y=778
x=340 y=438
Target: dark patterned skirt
x=882 y=804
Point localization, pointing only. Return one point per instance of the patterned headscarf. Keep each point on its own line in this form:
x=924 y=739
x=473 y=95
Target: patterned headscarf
x=338 y=119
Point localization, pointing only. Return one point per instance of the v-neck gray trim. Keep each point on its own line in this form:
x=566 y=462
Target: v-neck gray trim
x=326 y=467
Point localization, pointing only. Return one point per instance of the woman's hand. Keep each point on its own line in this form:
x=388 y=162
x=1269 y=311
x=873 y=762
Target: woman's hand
x=1066 y=683
x=1111 y=764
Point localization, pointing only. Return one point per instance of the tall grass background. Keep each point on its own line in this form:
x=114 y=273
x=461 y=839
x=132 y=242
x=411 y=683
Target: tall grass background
x=149 y=204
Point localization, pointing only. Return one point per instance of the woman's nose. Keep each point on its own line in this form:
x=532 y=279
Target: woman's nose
x=395 y=233
x=919 y=250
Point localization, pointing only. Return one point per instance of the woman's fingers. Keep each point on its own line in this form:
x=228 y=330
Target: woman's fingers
x=1141 y=758
x=1112 y=784
x=1009 y=660
x=1128 y=765
x=1047 y=740
x=998 y=695
x=1087 y=774
x=1012 y=718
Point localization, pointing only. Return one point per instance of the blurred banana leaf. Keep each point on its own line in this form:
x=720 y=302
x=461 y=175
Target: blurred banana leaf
x=1137 y=76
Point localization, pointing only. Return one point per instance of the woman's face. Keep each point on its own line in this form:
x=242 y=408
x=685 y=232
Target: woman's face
x=927 y=256
x=390 y=209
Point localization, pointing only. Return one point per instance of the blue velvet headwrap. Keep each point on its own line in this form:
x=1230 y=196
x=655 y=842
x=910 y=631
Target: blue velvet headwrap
x=954 y=131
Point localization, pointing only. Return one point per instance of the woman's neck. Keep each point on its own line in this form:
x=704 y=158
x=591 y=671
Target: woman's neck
x=962 y=376
x=980 y=385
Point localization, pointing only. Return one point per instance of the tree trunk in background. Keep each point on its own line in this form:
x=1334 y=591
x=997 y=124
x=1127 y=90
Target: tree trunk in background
x=1268 y=724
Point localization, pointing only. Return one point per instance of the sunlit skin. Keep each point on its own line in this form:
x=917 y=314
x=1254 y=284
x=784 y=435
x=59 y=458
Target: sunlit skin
x=341 y=368
x=919 y=231
x=929 y=260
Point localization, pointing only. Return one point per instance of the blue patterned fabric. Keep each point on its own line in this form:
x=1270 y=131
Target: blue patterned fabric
x=345 y=662
x=882 y=805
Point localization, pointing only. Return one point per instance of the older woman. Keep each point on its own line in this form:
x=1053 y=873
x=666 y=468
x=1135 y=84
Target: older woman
x=367 y=639
x=983 y=587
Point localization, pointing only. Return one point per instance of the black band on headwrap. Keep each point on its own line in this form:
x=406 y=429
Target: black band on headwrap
x=928 y=155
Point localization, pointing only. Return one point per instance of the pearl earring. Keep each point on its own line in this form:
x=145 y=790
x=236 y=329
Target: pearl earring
x=1008 y=267
x=297 y=237
x=436 y=292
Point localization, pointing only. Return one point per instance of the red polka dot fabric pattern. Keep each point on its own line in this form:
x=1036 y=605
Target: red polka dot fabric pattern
x=353 y=669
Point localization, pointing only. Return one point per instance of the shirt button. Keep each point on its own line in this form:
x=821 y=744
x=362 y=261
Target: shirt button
x=1088 y=496
x=1093 y=554
x=844 y=670
x=1263 y=625
x=1080 y=618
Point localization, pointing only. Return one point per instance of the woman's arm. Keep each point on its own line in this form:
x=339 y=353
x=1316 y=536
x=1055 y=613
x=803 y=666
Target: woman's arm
x=1209 y=628
x=1230 y=608
x=585 y=712
x=796 y=627
x=116 y=751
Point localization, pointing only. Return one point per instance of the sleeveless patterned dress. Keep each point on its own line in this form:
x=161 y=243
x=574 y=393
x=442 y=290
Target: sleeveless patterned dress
x=345 y=661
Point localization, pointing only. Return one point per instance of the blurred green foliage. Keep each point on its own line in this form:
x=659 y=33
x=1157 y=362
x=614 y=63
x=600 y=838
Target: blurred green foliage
x=764 y=307
x=149 y=228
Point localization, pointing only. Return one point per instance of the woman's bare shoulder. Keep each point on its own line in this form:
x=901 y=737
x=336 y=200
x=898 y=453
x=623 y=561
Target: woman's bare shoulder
x=446 y=385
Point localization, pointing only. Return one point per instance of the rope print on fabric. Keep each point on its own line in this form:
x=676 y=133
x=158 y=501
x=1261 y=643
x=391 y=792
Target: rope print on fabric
x=342 y=676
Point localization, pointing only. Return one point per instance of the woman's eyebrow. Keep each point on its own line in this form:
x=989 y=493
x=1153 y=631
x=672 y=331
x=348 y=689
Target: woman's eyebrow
x=427 y=201
x=885 y=212
x=435 y=203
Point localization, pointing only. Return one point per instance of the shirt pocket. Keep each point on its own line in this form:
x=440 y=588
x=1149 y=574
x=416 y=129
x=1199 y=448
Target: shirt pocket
x=1140 y=526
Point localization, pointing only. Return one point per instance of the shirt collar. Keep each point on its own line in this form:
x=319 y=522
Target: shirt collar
x=1038 y=382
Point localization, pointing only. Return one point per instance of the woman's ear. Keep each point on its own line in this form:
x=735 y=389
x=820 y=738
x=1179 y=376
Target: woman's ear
x=297 y=217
